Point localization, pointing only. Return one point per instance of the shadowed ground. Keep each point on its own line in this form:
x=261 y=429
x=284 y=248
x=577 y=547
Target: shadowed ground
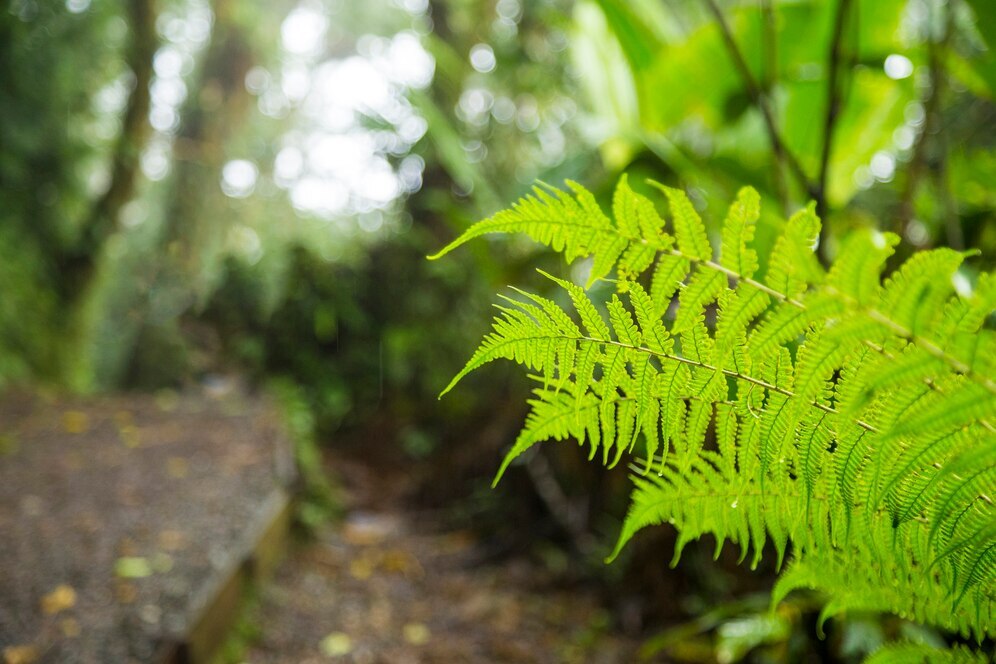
x=391 y=584
x=123 y=519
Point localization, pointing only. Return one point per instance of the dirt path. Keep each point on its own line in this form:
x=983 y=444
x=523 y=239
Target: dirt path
x=116 y=513
x=389 y=585
x=119 y=514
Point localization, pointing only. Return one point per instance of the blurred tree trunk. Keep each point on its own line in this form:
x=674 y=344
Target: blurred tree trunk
x=196 y=213
x=215 y=113
x=77 y=264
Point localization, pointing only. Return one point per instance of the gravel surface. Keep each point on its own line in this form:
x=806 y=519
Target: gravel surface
x=117 y=514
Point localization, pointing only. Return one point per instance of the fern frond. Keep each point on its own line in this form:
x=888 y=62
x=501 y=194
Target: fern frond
x=574 y=225
x=838 y=415
x=922 y=653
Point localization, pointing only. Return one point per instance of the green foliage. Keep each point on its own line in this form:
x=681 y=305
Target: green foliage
x=826 y=412
x=318 y=500
x=903 y=653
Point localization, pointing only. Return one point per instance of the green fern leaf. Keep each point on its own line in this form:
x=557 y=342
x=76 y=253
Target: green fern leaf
x=688 y=227
x=905 y=653
x=738 y=232
x=569 y=224
x=853 y=416
x=791 y=266
x=669 y=274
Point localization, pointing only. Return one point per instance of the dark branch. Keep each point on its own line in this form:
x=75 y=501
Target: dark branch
x=931 y=128
x=834 y=98
x=769 y=44
x=782 y=153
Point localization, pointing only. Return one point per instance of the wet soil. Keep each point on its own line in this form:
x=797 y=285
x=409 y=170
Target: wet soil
x=392 y=584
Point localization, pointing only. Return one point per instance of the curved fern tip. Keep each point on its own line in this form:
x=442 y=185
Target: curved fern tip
x=500 y=474
x=453 y=383
x=448 y=248
x=611 y=558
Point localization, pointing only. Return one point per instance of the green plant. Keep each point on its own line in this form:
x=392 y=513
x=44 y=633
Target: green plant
x=826 y=411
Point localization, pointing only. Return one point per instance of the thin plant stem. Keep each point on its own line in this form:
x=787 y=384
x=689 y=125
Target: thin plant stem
x=782 y=152
x=833 y=107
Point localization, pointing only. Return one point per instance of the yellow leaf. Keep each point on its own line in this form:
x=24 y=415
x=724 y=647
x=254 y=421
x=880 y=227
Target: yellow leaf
x=20 y=654
x=416 y=634
x=361 y=568
x=132 y=567
x=75 y=421
x=177 y=467
x=60 y=599
x=128 y=434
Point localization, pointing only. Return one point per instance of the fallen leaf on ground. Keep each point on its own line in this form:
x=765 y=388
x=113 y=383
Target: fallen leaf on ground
x=60 y=599
x=132 y=567
x=416 y=634
x=125 y=592
x=128 y=434
x=361 y=568
x=167 y=400
x=172 y=540
x=8 y=444
x=399 y=560
x=20 y=654
x=336 y=644
x=75 y=421
x=70 y=628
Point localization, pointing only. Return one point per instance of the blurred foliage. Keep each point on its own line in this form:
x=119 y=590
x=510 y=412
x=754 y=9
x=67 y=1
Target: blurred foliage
x=910 y=109
x=55 y=129
x=317 y=498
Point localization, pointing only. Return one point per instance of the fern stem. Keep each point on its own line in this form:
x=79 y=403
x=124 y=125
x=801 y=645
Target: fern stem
x=782 y=152
x=778 y=295
x=727 y=372
x=877 y=316
x=927 y=381
x=739 y=492
x=929 y=346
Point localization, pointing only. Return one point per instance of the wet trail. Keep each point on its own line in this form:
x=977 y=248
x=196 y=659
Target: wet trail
x=389 y=585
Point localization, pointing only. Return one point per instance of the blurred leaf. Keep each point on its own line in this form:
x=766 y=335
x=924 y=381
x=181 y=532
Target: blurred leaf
x=449 y=146
x=75 y=422
x=336 y=644
x=985 y=20
x=608 y=83
x=637 y=39
x=60 y=599
x=979 y=72
x=873 y=111
x=416 y=634
x=132 y=567
x=736 y=638
x=21 y=654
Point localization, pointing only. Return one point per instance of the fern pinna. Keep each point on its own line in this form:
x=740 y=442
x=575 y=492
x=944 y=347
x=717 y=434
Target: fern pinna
x=850 y=417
